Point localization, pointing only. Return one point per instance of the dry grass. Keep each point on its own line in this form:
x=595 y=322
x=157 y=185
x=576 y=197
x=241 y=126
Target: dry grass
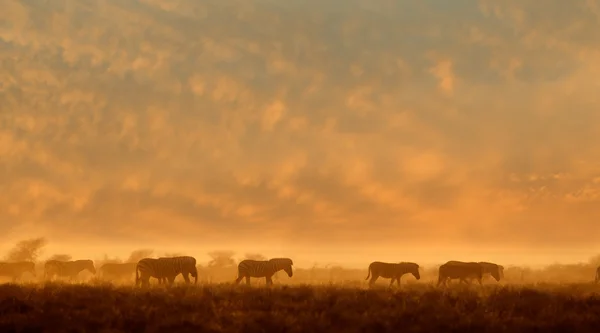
x=224 y=308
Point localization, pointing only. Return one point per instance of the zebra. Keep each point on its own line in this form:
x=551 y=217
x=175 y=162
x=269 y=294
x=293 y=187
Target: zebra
x=15 y=270
x=459 y=270
x=68 y=269
x=165 y=269
x=118 y=271
x=263 y=268
x=392 y=270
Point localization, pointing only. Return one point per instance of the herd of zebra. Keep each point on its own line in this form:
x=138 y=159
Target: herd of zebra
x=166 y=269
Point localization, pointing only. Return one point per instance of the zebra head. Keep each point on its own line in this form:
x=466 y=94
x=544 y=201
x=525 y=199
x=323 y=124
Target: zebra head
x=190 y=266
x=285 y=264
x=497 y=272
x=89 y=265
x=414 y=270
x=29 y=267
x=194 y=274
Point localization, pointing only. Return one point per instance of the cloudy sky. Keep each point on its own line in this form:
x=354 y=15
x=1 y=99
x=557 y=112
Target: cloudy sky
x=337 y=129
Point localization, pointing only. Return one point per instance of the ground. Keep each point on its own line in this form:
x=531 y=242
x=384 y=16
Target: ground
x=225 y=308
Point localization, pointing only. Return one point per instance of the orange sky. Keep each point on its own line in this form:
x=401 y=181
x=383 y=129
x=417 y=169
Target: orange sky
x=339 y=129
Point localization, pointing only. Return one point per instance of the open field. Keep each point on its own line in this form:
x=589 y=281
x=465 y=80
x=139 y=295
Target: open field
x=224 y=308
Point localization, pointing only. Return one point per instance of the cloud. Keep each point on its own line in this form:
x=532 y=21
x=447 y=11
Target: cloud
x=443 y=72
x=311 y=124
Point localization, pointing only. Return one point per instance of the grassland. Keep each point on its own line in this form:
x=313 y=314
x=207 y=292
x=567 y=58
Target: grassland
x=224 y=308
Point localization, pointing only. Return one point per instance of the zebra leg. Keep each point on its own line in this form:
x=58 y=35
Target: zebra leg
x=239 y=278
x=168 y=281
x=269 y=281
x=392 y=281
x=186 y=277
x=442 y=280
x=373 y=279
x=248 y=280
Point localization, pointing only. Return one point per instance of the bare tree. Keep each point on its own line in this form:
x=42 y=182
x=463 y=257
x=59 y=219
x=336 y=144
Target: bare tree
x=254 y=256
x=61 y=257
x=221 y=259
x=27 y=250
x=140 y=254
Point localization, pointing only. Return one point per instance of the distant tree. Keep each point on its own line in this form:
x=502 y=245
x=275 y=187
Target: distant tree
x=221 y=259
x=27 y=250
x=254 y=256
x=595 y=260
x=173 y=254
x=61 y=257
x=137 y=255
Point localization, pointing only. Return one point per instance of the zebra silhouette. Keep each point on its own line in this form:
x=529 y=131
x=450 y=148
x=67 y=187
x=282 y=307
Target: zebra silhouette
x=165 y=269
x=393 y=271
x=68 y=269
x=459 y=270
x=263 y=268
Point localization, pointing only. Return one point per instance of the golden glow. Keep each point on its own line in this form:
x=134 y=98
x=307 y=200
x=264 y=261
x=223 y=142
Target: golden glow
x=302 y=127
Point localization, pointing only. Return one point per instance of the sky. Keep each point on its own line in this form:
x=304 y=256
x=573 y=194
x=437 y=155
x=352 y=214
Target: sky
x=341 y=131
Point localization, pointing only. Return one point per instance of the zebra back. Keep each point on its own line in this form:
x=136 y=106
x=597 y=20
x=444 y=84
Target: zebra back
x=459 y=269
x=118 y=269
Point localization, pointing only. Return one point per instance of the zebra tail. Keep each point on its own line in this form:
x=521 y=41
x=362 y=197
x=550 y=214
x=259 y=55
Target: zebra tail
x=368 y=275
x=137 y=277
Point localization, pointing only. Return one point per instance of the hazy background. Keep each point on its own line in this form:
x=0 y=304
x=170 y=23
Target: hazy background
x=344 y=131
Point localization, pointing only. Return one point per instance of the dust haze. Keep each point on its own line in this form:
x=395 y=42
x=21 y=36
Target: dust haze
x=337 y=132
x=222 y=267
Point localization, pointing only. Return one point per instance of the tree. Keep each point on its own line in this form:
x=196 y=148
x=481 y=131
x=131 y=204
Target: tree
x=140 y=254
x=255 y=256
x=221 y=259
x=173 y=254
x=595 y=260
x=27 y=250
x=61 y=257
